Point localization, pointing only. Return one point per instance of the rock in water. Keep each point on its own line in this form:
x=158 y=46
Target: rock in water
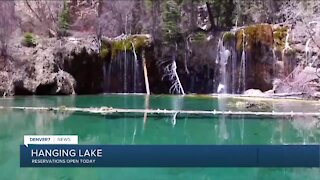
x=254 y=92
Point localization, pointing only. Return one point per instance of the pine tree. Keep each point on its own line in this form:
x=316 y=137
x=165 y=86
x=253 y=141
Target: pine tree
x=64 y=19
x=171 y=19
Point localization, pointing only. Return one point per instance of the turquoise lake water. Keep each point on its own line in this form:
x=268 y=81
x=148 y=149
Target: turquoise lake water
x=151 y=129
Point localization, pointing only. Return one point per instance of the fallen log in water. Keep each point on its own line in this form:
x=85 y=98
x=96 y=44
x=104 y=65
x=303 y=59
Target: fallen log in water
x=110 y=110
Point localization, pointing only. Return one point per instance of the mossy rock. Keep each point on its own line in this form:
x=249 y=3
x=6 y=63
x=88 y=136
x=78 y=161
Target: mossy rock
x=280 y=35
x=105 y=50
x=130 y=43
x=255 y=34
x=228 y=37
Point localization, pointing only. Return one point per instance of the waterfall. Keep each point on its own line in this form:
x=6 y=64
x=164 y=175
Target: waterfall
x=234 y=70
x=105 y=77
x=109 y=71
x=307 y=51
x=236 y=22
x=242 y=76
x=221 y=87
x=222 y=57
x=286 y=45
x=125 y=70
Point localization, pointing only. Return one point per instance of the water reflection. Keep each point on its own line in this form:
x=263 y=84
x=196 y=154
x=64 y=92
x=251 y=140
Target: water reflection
x=223 y=131
x=152 y=129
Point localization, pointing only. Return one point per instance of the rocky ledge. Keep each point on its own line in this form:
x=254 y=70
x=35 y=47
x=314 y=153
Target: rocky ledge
x=70 y=65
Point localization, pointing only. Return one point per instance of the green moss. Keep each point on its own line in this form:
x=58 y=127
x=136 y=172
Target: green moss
x=279 y=35
x=200 y=36
x=255 y=34
x=29 y=40
x=138 y=42
x=228 y=36
x=104 y=52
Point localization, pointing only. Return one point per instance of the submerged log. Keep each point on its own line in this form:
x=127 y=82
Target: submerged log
x=110 y=110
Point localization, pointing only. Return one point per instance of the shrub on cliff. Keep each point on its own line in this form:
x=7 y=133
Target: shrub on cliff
x=64 y=21
x=29 y=40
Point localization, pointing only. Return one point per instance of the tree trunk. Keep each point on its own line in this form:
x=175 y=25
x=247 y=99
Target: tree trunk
x=145 y=72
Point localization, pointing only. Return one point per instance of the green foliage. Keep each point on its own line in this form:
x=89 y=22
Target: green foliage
x=29 y=40
x=64 y=19
x=171 y=18
x=223 y=12
x=105 y=49
x=199 y=36
x=129 y=44
x=104 y=52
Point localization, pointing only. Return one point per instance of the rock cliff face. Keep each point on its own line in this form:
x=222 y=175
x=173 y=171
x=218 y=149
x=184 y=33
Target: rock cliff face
x=80 y=58
x=249 y=50
x=35 y=70
x=257 y=56
x=70 y=65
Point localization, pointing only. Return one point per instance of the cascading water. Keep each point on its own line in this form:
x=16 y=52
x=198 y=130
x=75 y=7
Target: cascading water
x=105 y=77
x=125 y=70
x=286 y=45
x=308 y=52
x=222 y=57
x=122 y=73
x=275 y=59
x=242 y=76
